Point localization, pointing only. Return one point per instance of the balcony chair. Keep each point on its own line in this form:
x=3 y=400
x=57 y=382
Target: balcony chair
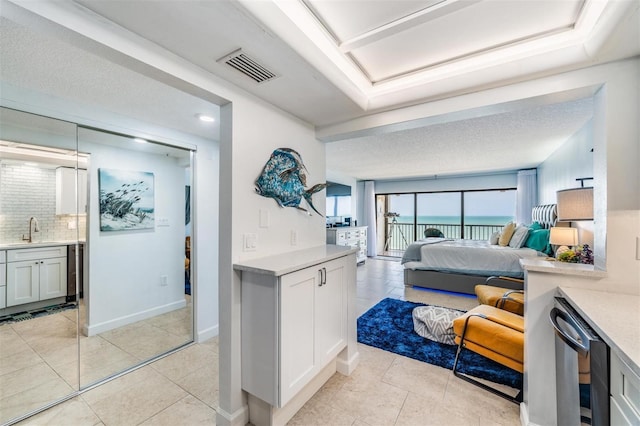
x=433 y=232
x=493 y=333
x=501 y=297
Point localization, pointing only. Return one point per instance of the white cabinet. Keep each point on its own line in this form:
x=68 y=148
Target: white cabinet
x=36 y=274
x=3 y=280
x=66 y=191
x=625 y=393
x=349 y=236
x=294 y=324
x=313 y=316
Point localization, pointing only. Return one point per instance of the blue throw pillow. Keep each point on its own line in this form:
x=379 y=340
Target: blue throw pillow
x=538 y=239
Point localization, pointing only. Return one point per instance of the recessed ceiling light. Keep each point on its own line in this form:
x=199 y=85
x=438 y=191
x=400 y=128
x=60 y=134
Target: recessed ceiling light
x=139 y=140
x=29 y=163
x=205 y=118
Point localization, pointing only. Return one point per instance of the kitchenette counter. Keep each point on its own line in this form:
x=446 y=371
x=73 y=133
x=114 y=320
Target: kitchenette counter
x=614 y=316
x=36 y=244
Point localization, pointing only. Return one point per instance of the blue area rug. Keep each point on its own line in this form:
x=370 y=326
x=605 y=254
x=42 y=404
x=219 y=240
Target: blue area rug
x=389 y=326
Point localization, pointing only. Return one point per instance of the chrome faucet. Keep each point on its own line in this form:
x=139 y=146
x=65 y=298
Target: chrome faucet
x=36 y=228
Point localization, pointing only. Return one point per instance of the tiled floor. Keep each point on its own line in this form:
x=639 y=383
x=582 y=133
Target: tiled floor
x=385 y=389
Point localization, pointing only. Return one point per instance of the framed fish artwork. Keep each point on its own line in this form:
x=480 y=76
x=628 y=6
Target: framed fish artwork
x=284 y=178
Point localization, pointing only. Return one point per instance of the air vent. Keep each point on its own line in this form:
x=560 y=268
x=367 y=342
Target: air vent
x=247 y=66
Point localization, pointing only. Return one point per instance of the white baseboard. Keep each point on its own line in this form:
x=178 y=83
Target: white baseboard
x=347 y=367
x=208 y=333
x=524 y=416
x=93 y=329
x=239 y=418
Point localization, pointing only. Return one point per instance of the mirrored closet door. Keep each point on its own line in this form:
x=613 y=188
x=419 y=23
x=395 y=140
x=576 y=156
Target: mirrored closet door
x=40 y=230
x=94 y=257
x=137 y=304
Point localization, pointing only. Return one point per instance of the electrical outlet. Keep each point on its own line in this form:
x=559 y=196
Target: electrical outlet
x=294 y=237
x=164 y=280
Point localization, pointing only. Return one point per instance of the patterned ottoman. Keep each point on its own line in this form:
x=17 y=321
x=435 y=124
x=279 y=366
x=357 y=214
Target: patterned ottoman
x=435 y=323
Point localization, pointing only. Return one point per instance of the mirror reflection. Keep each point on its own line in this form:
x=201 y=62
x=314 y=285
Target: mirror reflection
x=94 y=257
x=137 y=304
x=38 y=311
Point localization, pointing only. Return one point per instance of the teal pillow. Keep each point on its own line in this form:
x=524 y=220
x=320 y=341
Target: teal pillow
x=538 y=239
x=535 y=226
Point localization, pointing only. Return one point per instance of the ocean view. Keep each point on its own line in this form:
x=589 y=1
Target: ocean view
x=455 y=220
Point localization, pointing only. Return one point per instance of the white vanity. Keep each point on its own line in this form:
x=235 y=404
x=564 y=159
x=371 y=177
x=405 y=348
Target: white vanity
x=298 y=327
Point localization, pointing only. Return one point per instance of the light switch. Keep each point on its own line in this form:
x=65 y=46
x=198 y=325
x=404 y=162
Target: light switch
x=162 y=221
x=250 y=242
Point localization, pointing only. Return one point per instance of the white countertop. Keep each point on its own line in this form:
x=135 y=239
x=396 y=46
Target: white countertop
x=614 y=316
x=24 y=245
x=292 y=261
x=556 y=267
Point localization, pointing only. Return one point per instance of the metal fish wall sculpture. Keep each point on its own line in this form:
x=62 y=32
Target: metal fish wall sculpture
x=284 y=178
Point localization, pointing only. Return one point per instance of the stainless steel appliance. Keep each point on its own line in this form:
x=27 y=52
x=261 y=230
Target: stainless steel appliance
x=582 y=369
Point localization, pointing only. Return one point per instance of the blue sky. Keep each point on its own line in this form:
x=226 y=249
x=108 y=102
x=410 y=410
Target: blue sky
x=485 y=203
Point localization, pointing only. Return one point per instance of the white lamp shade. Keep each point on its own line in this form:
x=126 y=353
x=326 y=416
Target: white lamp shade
x=575 y=204
x=563 y=236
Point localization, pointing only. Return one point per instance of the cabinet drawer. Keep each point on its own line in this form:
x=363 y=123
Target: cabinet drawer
x=36 y=253
x=625 y=389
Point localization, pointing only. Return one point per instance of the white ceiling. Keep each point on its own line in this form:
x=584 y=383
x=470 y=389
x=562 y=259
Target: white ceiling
x=339 y=60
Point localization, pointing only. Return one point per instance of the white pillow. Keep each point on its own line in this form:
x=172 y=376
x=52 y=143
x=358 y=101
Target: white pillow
x=493 y=239
x=519 y=236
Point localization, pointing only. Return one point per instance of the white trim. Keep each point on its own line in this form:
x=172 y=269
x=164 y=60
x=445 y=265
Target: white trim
x=208 y=333
x=98 y=328
x=239 y=418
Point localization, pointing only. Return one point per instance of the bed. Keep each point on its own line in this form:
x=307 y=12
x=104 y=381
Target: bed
x=459 y=265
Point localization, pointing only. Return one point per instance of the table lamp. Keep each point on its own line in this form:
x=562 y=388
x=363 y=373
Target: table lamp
x=564 y=238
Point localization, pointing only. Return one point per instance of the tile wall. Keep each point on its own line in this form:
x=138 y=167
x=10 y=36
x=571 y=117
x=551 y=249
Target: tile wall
x=27 y=191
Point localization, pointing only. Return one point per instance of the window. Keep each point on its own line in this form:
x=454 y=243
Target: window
x=487 y=211
x=439 y=210
x=472 y=215
x=339 y=206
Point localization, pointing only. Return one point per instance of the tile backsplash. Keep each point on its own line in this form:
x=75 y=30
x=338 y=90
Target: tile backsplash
x=27 y=191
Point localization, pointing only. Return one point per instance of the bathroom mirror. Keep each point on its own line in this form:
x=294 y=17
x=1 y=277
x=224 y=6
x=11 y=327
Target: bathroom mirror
x=94 y=257
x=38 y=307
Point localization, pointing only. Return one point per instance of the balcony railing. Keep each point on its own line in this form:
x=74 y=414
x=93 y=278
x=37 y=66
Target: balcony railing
x=400 y=235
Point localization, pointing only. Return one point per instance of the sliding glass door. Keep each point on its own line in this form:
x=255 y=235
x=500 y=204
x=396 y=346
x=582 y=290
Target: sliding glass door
x=472 y=215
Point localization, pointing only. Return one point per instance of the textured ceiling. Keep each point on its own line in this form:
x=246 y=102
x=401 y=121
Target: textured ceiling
x=202 y=32
x=59 y=70
x=507 y=141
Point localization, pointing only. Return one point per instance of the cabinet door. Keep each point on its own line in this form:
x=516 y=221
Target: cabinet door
x=69 y=199
x=23 y=282
x=331 y=312
x=297 y=323
x=53 y=278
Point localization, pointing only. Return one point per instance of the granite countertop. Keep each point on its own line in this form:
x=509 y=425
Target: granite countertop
x=37 y=244
x=285 y=263
x=614 y=316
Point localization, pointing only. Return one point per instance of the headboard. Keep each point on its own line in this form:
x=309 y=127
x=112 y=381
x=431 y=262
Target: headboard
x=546 y=215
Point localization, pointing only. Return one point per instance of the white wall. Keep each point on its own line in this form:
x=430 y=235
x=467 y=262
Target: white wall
x=573 y=159
x=125 y=266
x=456 y=183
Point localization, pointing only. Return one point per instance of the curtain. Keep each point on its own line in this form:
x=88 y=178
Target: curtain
x=370 y=216
x=526 y=195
